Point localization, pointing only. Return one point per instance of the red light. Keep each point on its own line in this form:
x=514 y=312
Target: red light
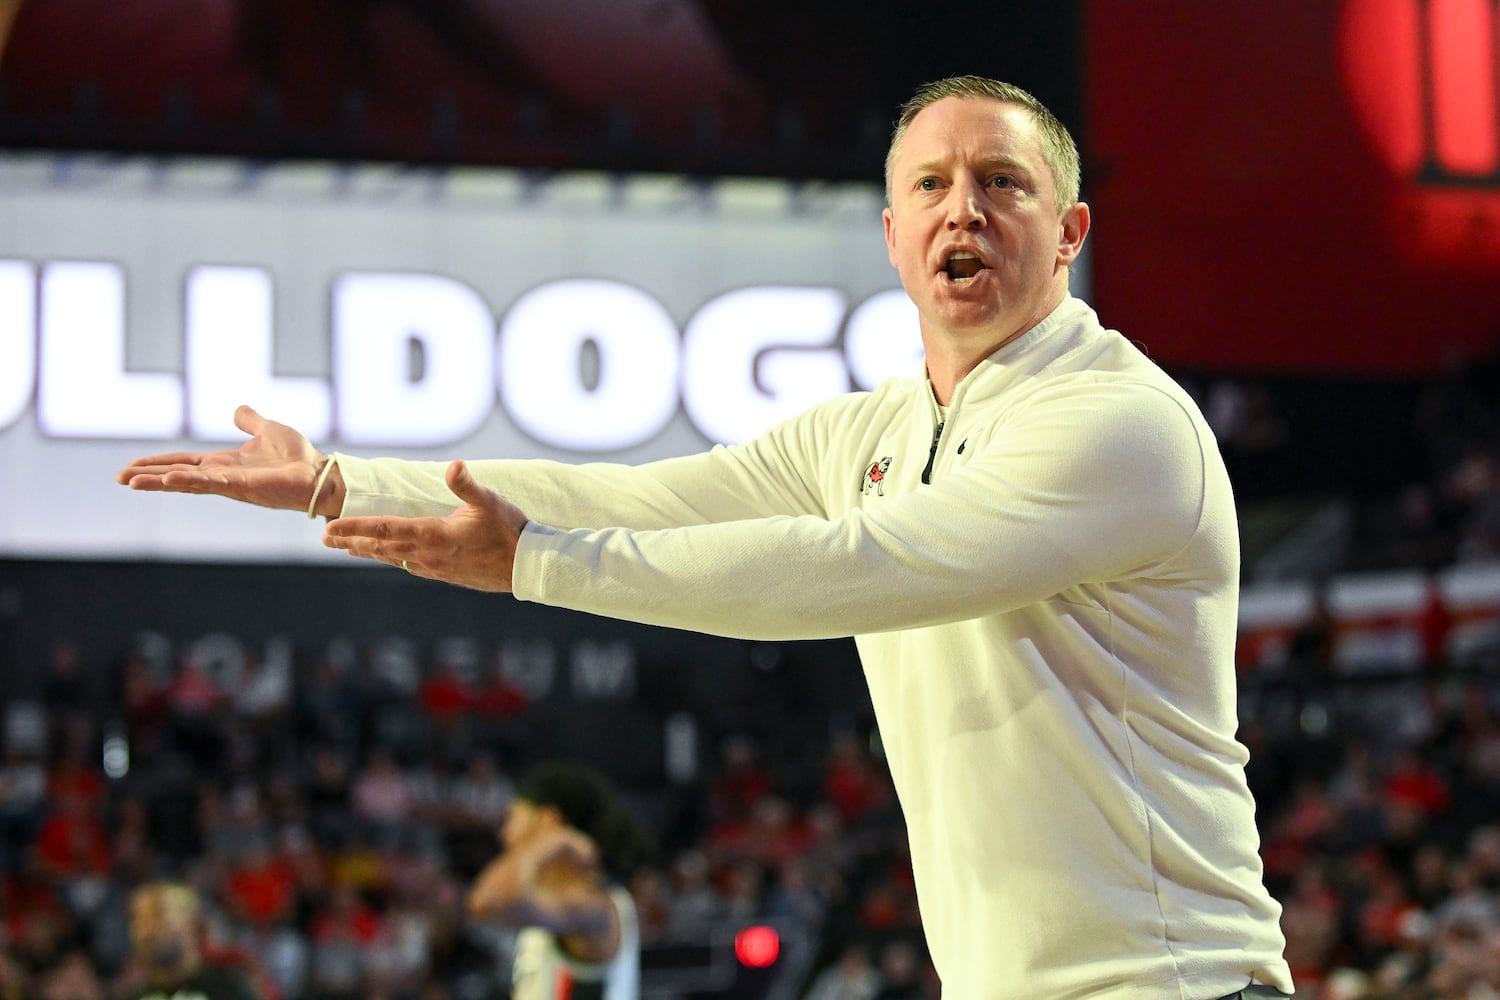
x=757 y=947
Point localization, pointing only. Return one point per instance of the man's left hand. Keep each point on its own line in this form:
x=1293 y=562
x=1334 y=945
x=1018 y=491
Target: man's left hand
x=475 y=546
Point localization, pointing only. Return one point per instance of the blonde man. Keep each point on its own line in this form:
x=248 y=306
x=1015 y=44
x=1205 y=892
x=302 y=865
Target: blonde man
x=1043 y=589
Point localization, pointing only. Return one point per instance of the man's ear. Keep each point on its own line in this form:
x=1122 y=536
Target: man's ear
x=1072 y=229
x=890 y=235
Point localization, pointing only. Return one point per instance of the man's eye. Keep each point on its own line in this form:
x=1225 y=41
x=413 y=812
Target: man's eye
x=1003 y=182
x=927 y=184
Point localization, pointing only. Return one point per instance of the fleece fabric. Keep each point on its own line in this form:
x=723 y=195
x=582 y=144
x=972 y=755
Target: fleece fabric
x=1043 y=589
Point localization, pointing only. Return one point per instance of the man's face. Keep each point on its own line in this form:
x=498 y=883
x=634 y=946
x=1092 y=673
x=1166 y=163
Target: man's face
x=973 y=226
x=164 y=933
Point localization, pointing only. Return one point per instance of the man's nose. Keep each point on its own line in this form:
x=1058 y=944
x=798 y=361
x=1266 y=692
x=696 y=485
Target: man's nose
x=965 y=212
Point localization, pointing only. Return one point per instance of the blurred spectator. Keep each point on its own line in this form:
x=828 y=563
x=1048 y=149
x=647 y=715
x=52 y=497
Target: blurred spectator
x=852 y=781
x=144 y=704
x=344 y=931
x=479 y=797
x=261 y=887
x=648 y=887
x=740 y=782
x=72 y=846
x=1416 y=784
x=900 y=968
x=39 y=924
x=263 y=696
x=328 y=792
x=67 y=691
x=797 y=897
x=444 y=694
x=852 y=977
x=496 y=697
x=193 y=699
x=330 y=704
x=23 y=798
x=381 y=797
x=72 y=978
x=695 y=903
x=1310 y=918
x=169 y=958
x=475 y=806
x=741 y=888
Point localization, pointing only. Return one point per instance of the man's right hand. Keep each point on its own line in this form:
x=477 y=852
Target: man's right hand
x=276 y=468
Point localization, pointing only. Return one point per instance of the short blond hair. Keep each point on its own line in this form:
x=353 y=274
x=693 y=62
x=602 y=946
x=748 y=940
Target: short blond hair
x=171 y=901
x=1058 y=147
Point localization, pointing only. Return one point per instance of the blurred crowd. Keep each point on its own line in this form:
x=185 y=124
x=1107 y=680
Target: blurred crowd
x=1450 y=513
x=328 y=857
x=328 y=863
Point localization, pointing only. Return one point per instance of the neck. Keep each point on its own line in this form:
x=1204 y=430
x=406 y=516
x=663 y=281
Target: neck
x=952 y=354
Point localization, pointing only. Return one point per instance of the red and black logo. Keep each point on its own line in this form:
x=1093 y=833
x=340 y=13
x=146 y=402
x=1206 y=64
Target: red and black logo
x=875 y=476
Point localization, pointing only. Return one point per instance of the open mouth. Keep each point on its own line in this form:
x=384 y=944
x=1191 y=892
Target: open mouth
x=962 y=265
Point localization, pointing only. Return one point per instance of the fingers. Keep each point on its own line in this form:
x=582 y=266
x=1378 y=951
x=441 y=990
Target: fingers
x=394 y=541
x=157 y=465
x=175 y=481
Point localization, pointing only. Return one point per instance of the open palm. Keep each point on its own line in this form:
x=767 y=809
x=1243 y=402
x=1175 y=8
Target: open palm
x=277 y=467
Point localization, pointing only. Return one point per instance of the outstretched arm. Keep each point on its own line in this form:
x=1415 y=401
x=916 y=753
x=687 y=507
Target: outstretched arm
x=278 y=467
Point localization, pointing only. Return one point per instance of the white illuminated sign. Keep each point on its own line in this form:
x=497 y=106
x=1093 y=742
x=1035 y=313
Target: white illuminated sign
x=540 y=367
x=17 y=338
x=83 y=389
x=751 y=359
x=229 y=348
x=416 y=361
x=430 y=314
x=412 y=358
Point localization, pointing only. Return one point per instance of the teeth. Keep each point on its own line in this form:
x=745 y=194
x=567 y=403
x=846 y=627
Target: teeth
x=961 y=265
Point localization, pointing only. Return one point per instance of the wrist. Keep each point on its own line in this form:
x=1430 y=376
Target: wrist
x=328 y=489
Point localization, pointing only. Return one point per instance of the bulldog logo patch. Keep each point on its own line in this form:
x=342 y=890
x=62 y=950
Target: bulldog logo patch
x=875 y=476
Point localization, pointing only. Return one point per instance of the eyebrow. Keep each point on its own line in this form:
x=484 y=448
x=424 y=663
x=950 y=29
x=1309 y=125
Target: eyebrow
x=1008 y=164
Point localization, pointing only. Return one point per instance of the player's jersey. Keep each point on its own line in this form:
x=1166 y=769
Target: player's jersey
x=543 y=972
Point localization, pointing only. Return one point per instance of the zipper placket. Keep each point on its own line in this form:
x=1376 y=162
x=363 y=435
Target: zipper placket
x=937 y=436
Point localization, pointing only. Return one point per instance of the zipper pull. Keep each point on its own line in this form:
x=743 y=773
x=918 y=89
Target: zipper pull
x=932 y=455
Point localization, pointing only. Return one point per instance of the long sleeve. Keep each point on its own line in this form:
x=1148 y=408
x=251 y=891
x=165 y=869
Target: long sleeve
x=1094 y=480
x=763 y=478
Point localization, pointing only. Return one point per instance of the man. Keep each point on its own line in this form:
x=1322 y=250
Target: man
x=566 y=839
x=165 y=931
x=1044 y=597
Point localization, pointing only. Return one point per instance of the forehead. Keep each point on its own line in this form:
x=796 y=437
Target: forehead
x=970 y=129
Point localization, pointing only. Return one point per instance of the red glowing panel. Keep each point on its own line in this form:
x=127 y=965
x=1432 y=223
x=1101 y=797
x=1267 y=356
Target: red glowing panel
x=1381 y=56
x=757 y=947
x=1463 y=85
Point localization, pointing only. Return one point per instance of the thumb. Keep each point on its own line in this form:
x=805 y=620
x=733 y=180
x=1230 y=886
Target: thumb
x=247 y=420
x=464 y=486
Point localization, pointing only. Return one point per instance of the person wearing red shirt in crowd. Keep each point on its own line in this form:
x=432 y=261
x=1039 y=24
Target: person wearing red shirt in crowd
x=443 y=694
x=497 y=697
x=74 y=774
x=851 y=782
x=343 y=931
x=72 y=842
x=741 y=783
x=262 y=887
x=1413 y=783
